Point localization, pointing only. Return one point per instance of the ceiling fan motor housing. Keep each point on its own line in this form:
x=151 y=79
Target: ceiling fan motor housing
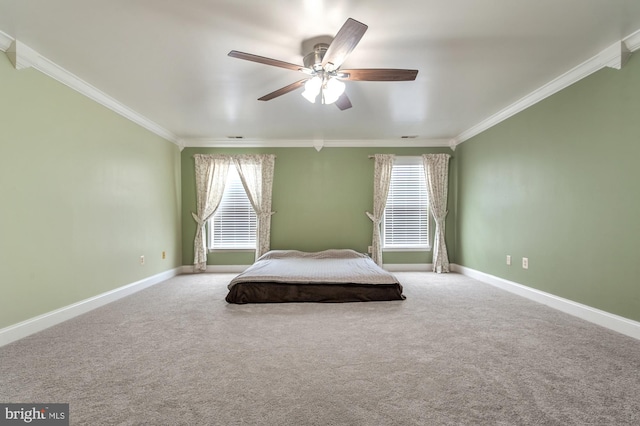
x=313 y=60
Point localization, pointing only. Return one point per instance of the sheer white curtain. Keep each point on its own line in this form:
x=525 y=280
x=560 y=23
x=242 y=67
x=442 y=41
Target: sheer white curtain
x=211 y=176
x=381 y=180
x=256 y=173
x=436 y=169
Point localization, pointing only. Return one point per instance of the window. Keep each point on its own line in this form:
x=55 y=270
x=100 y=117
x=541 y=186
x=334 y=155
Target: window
x=406 y=216
x=234 y=224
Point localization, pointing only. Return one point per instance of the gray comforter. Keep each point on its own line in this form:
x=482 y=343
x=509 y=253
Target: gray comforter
x=339 y=266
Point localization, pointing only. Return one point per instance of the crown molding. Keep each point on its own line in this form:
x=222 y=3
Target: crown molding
x=633 y=41
x=390 y=143
x=22 y=57
x=65 y=77
x=310 y=143
x=614 y=56
x=5 y=41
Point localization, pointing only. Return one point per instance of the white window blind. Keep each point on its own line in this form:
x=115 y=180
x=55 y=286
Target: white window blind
x=234 y=224
x=406 y=218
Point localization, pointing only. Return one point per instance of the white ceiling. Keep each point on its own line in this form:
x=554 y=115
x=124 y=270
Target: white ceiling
x=167 y=60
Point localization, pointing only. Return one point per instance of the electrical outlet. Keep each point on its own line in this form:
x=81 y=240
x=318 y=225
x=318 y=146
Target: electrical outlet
x=525 y=263
x=370 y=249
x=509 y=260
x=164 y=255
x=142 y=260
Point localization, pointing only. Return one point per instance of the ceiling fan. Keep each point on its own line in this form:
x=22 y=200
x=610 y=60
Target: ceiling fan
x=322 y=67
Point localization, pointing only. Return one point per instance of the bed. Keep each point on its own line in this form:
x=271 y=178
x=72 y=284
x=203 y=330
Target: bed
x=336 y=275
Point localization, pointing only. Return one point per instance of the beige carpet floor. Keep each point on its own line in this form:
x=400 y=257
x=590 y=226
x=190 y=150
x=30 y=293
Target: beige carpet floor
x=455 y=352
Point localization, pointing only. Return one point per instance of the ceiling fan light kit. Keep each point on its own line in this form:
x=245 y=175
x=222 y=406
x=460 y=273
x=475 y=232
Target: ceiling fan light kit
x=330 y=87
x=311 y=89
x=323 y=68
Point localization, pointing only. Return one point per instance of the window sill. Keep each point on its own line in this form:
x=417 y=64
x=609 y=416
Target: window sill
x=231 y=250
x=426 y=249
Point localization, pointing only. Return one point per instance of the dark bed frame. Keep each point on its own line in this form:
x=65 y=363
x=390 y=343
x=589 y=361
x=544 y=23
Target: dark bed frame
x=274 y=292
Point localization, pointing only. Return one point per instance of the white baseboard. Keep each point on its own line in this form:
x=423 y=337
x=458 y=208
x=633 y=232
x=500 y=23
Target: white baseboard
x=605 y=319
x=223 y=269
x=236 y=269
x=41 y=322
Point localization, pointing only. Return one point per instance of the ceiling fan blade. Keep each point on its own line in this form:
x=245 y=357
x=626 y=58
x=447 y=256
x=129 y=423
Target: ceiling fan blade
x=343 y=43
x=284 y=90
x=378 y=74
x=268 y=61
x=343 y=102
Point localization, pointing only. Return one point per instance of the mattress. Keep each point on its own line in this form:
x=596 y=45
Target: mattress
x=336 y=275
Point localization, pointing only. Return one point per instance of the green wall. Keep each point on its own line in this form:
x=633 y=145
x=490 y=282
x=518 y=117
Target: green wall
x=320 y=199
x=84 y=193
x=559 y=184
